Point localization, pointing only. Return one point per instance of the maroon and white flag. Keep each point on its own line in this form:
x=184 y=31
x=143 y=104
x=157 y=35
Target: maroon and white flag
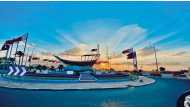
x=8 y=43
x=126 y=51
x=21 y=38
x=131 y=55
x=5 y=46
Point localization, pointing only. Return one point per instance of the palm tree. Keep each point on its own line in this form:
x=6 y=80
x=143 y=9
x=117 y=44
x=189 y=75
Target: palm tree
x=44 y=67
x=60 y=67
x=39 y=67
x=52 y=68
x=30 y=68
x=19 y=54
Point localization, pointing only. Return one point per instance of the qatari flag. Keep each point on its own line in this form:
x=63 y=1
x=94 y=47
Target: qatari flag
x=21 y=38
x=131 y=55
x=127 y=51
x=9 y=42
x=5 y=46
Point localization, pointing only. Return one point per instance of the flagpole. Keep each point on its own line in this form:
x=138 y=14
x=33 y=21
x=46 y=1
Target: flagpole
x=7 y=54
x=24 y=48
x=155 y=55
x=134 y=60
x=26 y=56
x=16 y=51
x=11 y=50
x=135 y=64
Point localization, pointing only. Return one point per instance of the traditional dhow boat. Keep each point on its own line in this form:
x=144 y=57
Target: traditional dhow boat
x=83 y=60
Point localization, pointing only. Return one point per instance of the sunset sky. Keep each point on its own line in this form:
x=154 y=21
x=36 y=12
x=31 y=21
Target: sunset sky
x=77 y=27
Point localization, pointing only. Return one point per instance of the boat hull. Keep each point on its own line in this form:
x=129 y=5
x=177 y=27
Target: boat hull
x=77 y=63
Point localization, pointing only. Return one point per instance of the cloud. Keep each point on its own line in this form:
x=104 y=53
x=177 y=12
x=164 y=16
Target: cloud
x=155 y=39
x=109 y=33
x=121 y=63
x=180 y=53
x=171 y=63
x=78 y=50
x=85 y=35
x=169 y=45
x=73 y=51
x=151 y=64
x=63 y=38
x=46 y=53
x=94 y=32
x=127 y=35
x=114 y=55
x=28 y=45
x=164 y=64
x=146 y=51
x=162 y=37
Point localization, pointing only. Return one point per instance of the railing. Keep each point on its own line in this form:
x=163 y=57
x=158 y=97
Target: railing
x=86 y=57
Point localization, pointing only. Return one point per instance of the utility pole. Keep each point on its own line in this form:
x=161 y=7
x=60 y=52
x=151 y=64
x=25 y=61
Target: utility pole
x=27 y=56
x=136 y=63
x=31 y=56
x=7 y=56
x=155 y=55
x=7 y=52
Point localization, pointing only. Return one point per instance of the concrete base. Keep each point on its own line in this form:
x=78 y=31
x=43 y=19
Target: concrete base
x=167 y=75
x=5 y=82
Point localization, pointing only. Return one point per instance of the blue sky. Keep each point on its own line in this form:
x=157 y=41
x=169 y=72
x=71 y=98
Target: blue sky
x=46 y=20
x=58 y=26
